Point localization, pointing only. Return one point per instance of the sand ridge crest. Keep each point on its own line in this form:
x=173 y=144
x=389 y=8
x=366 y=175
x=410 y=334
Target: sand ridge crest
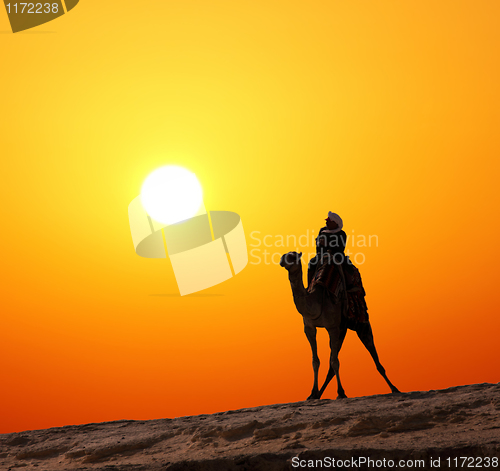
x=458 y=421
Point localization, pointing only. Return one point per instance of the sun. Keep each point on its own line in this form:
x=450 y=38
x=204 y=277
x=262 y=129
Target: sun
x=171 y=194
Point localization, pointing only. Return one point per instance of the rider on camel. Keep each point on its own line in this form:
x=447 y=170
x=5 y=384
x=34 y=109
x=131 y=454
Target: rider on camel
x=331 y=241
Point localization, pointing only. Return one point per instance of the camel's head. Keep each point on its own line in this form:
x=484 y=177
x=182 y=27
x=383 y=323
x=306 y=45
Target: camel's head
x=291 y=260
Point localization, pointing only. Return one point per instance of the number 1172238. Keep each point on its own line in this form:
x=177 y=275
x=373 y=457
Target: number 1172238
x=32 y=8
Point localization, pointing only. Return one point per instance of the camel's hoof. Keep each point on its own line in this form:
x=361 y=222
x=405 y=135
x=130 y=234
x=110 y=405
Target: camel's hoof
x=313 y=396
x=341 y=396
x=396 y=391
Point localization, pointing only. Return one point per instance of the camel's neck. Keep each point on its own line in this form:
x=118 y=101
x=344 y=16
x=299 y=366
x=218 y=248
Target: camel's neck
x=302 y=299
x=296 y=282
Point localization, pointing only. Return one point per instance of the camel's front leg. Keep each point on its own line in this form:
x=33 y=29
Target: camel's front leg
x=335 y=344
x=311 y=336
x=331 y=370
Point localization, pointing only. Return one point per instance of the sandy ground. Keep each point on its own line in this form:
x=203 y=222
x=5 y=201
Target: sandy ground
x=462 y=421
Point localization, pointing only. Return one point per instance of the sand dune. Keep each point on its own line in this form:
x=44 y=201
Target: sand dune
x=462 y=421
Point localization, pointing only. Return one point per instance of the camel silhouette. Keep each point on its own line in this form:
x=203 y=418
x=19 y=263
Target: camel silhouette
x=318 y=310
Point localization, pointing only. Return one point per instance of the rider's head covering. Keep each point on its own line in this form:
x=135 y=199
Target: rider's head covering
x=335 y=218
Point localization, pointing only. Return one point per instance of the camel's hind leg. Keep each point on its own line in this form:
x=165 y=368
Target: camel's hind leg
x=365 y=334
x=331 y=371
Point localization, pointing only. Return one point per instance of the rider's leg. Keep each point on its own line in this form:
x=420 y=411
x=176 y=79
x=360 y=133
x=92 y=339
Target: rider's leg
x=311 y=269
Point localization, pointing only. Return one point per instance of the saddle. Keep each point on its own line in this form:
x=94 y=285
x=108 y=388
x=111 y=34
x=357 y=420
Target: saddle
x=330 y=276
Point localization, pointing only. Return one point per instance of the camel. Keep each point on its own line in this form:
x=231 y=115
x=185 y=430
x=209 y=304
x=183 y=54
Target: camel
x=318 y=310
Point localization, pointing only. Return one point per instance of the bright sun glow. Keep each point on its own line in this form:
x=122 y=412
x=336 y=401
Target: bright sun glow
x=171 y=194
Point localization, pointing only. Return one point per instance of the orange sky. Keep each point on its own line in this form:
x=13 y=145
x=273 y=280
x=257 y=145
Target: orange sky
x=384 y=112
